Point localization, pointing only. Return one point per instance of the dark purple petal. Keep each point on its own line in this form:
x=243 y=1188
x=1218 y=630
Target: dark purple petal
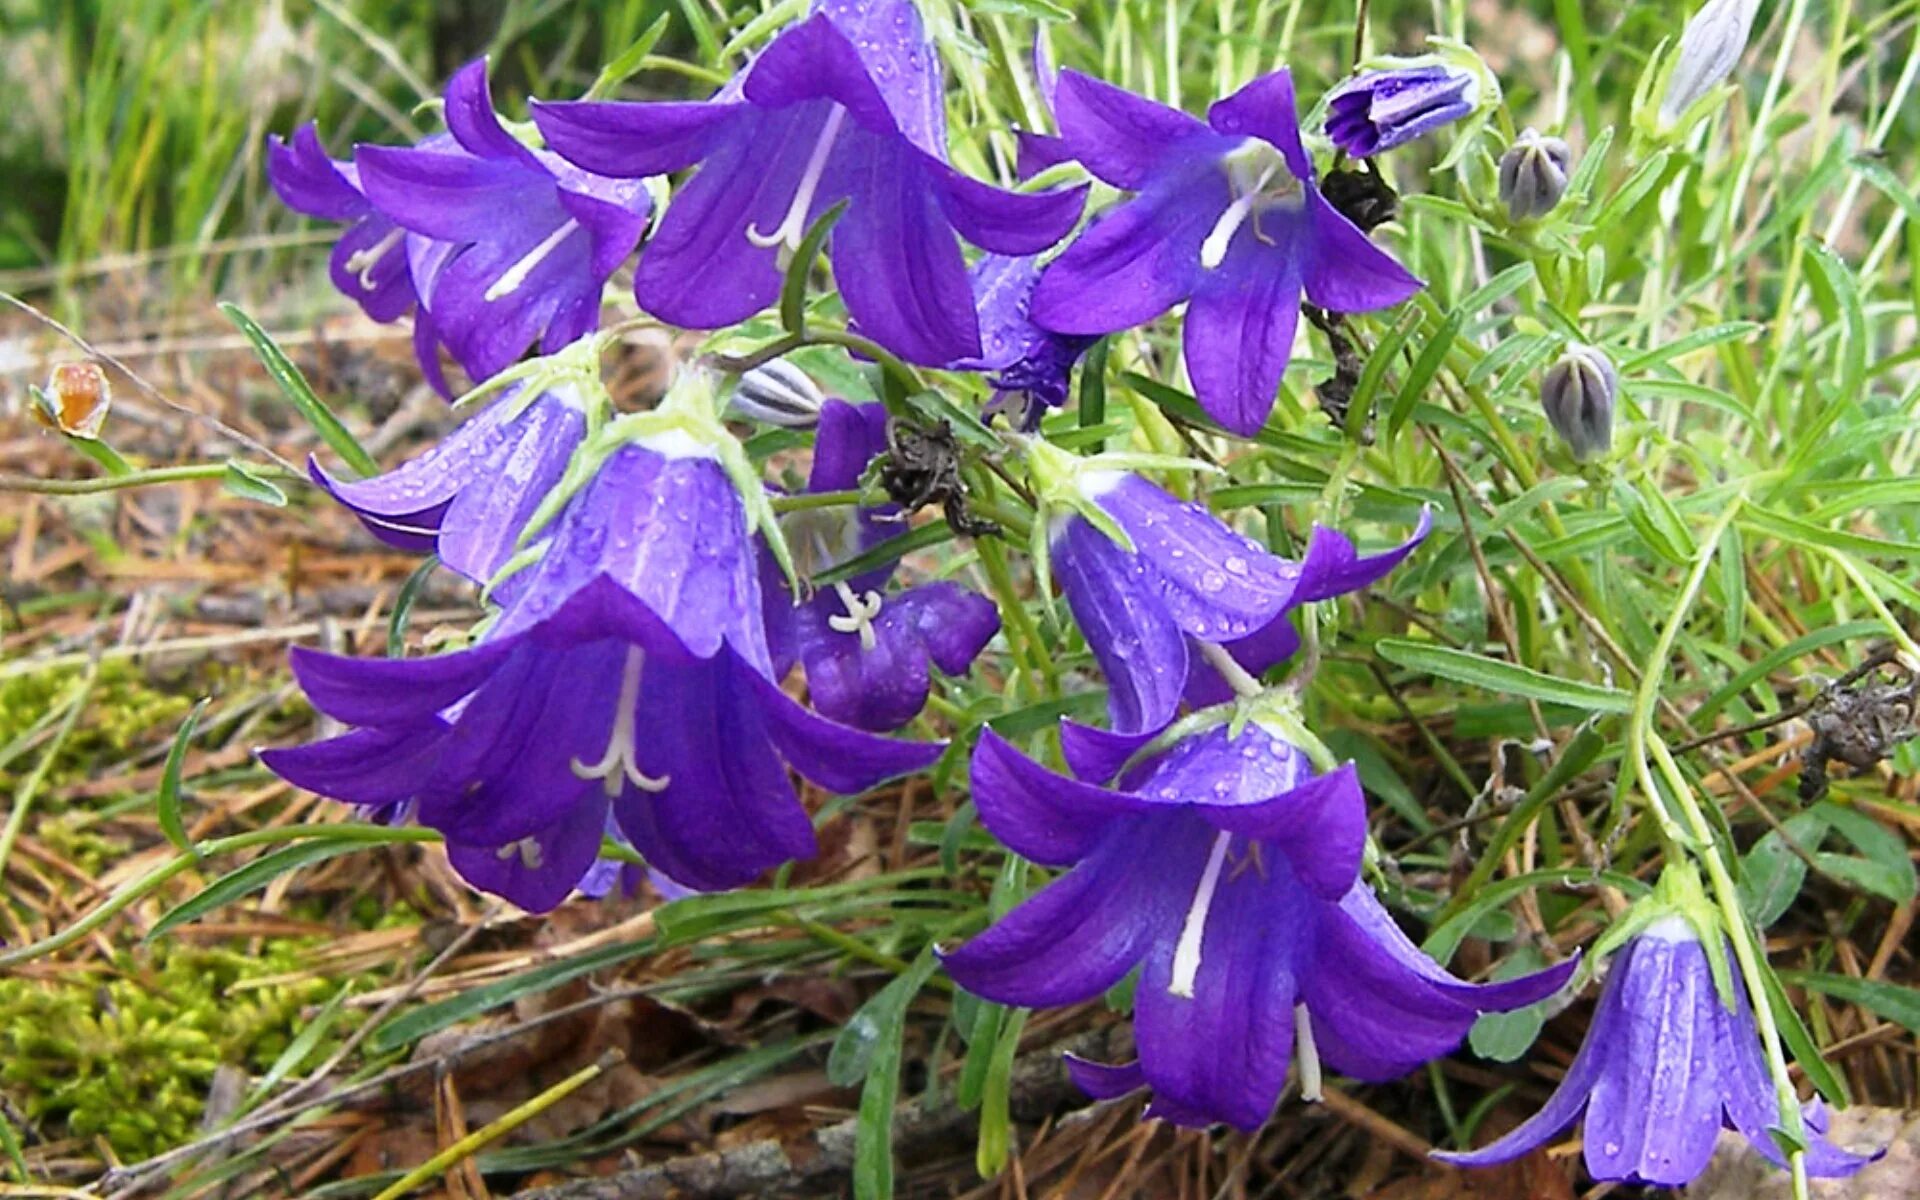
x=1037 y=151
x=1002 y=221
x=473 y=122
x=414 y=532
x=848 y=437
x=1096 y=755
x=374 y=767
x=905 y=67
x=453 y=197
x=542 y=869
x=727 y=811
x=1220 y=584
x=1265 y=109
x=632 y=141
x=369 y=266
x=895 y=256
x=393 y=691
x=1332 y=567
x=1120 y=137
x=1077 y=936
x=1042 y=816
x=952 y=623
x=814 y=61
x=1654 y=1118
x=842 y=760
x=1561 y=1109
x=1239 y=330
x=1137 y=260
x=700 y=270
x=1223 y=1051
x=1132 y=635
x=1321 y=826
x=308 y=181
x=878 y=689
x=1345 y=271
x=1105 y=1081
x=1382 y=109
x=1276 y=642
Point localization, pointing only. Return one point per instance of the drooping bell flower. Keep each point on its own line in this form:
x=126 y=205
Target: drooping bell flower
x=1226 y=216
x=530 y=239
x=627 y=672
x=469 y=498
x=369 y=262
x=1331 y=567
x=845 y=105
x=1227 y=870
x=1666 y=1065
x=1405 y=99
x=867 y=650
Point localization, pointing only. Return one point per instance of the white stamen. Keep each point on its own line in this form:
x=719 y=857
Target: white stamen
x=861 y=610
x=1309 y=1055
x=618 y=765
x=1186 y=954
x=515 y=275
x=527 y=849
x=794 y=225
x=1213 y=251
x=362 y=262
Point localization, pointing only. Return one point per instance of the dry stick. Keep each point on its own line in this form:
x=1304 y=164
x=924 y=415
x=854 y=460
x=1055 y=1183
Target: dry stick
x=221 y=427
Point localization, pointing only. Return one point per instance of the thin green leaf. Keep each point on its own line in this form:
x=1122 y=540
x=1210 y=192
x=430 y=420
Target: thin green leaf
x=873 y=1132
x=250 y=878
x=1503 y=678
x=627 y=63
x=1894 y=1002
x=301 y=1048
x=403 y=607
x=1424 y=368
x=793 y=288
x=168 y=801
x=243 y=482
x=295 y=387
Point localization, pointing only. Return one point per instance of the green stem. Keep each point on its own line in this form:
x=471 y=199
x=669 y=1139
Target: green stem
x=802 y=501
x=1704 y=845
x=133 y=479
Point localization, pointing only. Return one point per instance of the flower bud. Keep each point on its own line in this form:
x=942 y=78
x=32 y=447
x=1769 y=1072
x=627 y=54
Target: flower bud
x=778 y=393
x=75 y=401
x=1378 y=110
x=1709 y=50
x=1578 y=393
x=1533 y=175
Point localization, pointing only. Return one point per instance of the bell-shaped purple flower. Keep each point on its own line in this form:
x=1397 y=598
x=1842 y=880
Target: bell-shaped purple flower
x=1227 y=217
x=1666 y=1065
x=866 y=650
x=627 y=672
x=1228 y=872
x=469 y=498
x=845 y=105
x=529 y=240
x=1331 y=567
x=1378 y=110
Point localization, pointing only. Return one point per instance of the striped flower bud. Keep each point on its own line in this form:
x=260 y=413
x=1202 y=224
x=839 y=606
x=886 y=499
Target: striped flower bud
x=1533 y=175
x=778 y=393
x=1578 y=393
x=1709 y=50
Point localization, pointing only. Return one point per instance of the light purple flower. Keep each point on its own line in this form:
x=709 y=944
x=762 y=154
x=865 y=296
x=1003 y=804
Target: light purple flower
x=1378 y=110
x=1664 y=1068
x=845 y=105
x=1227 y=217
x=626 y=673
x=866 y=650
x=527 y=240
x=469 y=498
x=1030 y=367
x=1228 y=871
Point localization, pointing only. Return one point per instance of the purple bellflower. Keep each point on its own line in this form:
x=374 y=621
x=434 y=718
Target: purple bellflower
x=626 y=675
x=866 y=650
x=1225 y=216
x=1029 y=367
x=526 y=241
x=470 y=496
x=1378 y=110
x=369 y=262
x=1666 y=1065
x=845 y=105
x=1228 y=871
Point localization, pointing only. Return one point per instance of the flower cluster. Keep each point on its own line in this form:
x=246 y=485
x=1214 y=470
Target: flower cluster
x=655 y=604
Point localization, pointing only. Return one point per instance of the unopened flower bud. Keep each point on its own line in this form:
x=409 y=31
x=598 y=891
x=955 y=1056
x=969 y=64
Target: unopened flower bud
x=1709 y=50
x=779 y=393
x=75 y=401
x=1533 y=175
x=1578 y=393
x=1378 y=110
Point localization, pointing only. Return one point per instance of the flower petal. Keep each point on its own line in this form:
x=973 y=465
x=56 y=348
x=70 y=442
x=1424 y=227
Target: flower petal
x=393 y=691
x=1275 y=642
x=905 y=67
x=848 y=437
x=1332 y=567
x=1121 y=137
x=1042 y=816
x=895 y=256
x=1220 y=584
x=813 y=61
x=1135 y=261
x=374 y=767
x=1096 y=755
x=1239 y=330
x=472 y=121
x=481 y=528
x=841 y=759
x=1075 y=937
x=1002 y=221
x=1133 y=637
x=953 y=623
x=1105 y=1081
x=632 y=141
x=1321 y=825
x=877 y=689
x=1265 y=109
x=542 y=869
x=1345 y=270
x=308 y=181
x=453 y=197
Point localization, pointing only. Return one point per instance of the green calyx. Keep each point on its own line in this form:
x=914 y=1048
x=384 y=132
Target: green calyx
x=1679 y=893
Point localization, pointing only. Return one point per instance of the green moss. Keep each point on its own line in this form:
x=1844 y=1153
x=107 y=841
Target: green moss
x=125 y=713
x=129 y=1055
